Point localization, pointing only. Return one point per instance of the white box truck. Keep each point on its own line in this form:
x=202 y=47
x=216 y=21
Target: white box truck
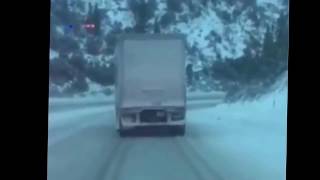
x=150 y=88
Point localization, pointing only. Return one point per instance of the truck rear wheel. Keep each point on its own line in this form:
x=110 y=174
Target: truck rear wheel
x=180 y=130
x=122 y=133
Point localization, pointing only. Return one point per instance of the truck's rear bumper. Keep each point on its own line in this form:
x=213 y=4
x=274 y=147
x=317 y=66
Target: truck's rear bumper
x=145 y=116
x=145 y=124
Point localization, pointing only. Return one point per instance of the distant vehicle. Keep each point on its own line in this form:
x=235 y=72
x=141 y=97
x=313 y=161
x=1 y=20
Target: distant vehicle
x=150 y=82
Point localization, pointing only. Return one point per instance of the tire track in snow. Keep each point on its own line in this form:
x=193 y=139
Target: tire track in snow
x=197 y=163
x=112 y=167
x=181 y=152
x=64 y=125
x=110 y=159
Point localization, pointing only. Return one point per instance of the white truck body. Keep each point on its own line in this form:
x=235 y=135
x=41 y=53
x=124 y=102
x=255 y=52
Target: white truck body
x=150 y=80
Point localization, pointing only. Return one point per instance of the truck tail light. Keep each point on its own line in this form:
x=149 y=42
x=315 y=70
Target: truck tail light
x=178 y=114
x=129 y=117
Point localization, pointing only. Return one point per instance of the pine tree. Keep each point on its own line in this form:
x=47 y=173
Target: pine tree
x=189 y=73
x=63 y=13
x=80 y=5
x=283 y=35
x=64 y=6
x=142 y=20
x=282 y=41
x=174 y=5
x=167 y=19
x=142 y=12
x=133 y=6
x=268 y=45
x=156 y=26
x=89 y=16
x=96 y=18
x=204 y=2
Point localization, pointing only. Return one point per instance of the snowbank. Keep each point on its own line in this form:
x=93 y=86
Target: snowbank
x=97 y=98
x=243 y=140
x=101 y=99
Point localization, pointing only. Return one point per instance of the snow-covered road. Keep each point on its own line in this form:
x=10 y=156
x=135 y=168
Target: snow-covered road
x=241 y=141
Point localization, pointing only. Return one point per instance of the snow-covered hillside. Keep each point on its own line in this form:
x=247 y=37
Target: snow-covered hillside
x=216 y=30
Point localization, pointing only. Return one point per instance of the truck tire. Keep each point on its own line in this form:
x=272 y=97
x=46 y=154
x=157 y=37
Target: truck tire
x=180 y=130
x=122 y=133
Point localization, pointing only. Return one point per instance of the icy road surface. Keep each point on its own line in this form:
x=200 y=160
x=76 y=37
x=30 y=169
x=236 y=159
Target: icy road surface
x=241 y=141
